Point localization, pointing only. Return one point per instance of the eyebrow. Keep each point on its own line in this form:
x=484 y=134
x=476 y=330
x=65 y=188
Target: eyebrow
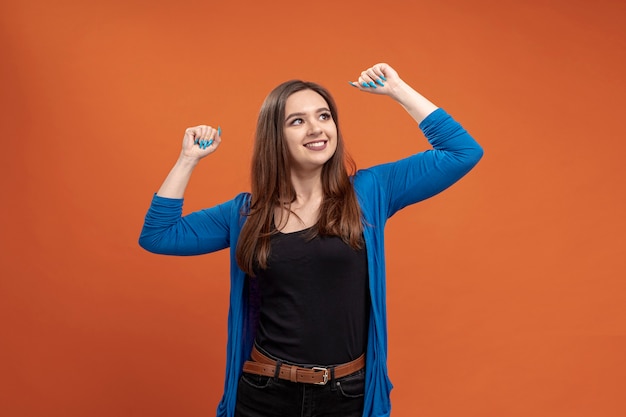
x=321 y=109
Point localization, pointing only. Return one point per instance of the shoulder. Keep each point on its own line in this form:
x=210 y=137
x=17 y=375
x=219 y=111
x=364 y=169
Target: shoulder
x=367 y=186
x=367 y=177
x=231 y=209
x=242 y=199
x=364 y=178
x=239 y=205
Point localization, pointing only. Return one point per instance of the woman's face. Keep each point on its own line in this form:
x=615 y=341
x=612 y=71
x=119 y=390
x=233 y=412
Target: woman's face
x=310 y=131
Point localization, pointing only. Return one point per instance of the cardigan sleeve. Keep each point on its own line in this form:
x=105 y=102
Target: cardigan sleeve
x=165 y=231
x=454 y=153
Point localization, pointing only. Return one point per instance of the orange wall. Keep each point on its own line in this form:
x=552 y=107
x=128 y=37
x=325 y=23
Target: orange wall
x=506 y=293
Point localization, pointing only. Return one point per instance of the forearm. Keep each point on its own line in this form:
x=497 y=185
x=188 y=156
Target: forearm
x=418 y=106
x=178 y=178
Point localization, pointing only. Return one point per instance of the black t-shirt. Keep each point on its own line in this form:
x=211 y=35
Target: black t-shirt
x=314 y=300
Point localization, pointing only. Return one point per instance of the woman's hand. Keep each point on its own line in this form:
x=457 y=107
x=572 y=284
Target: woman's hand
x=379 y=79
x=200 y=141
x=384 y=80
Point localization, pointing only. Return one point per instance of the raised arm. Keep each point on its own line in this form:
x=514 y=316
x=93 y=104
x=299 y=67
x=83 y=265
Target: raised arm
x=165 y=231
x=454 y=152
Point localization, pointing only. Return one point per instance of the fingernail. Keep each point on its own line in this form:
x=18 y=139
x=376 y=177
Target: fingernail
x=219 y=132
x=210 y=143
x=364 y=85
x=371 y=83
x=195 y=141
x=383 y=77
x=352 y=84
x=380 y=82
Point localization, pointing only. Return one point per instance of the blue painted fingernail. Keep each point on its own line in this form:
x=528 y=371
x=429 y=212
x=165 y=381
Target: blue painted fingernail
x=371 y=83
x=210 y=143
x=379 y=82
x=219 y=131
x=352 y=84
x=195 y=141
x=364 y=85
x=383 y=77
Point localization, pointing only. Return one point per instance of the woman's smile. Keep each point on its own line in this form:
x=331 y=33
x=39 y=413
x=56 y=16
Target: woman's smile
x=317 y=145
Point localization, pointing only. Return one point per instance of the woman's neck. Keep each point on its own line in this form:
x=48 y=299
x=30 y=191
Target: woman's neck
x=308 y=187
x=309 y=196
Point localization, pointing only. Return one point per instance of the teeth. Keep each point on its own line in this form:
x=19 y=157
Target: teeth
x=315 y=144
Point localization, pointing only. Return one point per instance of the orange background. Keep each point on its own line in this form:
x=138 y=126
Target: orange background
x=506 y=293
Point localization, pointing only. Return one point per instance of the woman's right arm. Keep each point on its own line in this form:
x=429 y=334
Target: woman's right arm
x=165 y=231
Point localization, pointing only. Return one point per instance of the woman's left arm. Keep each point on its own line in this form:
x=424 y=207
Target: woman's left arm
x=427 y=173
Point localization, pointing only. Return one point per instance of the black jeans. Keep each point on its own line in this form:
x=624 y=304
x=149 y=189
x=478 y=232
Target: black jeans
x=263 y=396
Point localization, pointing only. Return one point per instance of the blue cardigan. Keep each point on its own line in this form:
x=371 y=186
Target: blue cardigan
x=381 y=191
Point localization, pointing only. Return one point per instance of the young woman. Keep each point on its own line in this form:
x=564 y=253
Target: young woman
x=307 y=321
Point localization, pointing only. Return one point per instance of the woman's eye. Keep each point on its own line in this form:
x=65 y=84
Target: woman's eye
x=297 y=121
x=325 y=116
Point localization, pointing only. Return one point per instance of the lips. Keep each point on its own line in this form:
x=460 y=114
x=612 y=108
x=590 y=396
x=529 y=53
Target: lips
x=316 y=145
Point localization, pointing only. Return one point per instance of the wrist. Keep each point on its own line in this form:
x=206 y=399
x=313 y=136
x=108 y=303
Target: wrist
x=418 y=106
x=185 y=161
x=402 y=92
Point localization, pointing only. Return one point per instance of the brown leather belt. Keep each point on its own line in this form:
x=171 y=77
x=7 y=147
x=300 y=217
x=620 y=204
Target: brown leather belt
x=262 y=365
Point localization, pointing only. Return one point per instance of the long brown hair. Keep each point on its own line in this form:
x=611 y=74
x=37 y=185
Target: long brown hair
x=339 y=212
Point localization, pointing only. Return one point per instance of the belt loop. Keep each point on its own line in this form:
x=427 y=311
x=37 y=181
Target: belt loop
x=333 y=386
x=279 y=363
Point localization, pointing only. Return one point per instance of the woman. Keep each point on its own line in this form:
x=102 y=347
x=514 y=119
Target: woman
x=307 y=320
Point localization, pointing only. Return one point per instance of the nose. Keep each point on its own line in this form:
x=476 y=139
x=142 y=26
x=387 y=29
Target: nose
x=314 y=128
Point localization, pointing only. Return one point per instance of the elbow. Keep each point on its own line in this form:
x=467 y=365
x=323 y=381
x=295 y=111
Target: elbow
x=144 y=244
x=477 y=153
x=468 y=159
x=473 y=154
x=147 y=243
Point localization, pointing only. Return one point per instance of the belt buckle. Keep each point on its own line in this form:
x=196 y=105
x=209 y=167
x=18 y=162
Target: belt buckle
x=325 y=376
